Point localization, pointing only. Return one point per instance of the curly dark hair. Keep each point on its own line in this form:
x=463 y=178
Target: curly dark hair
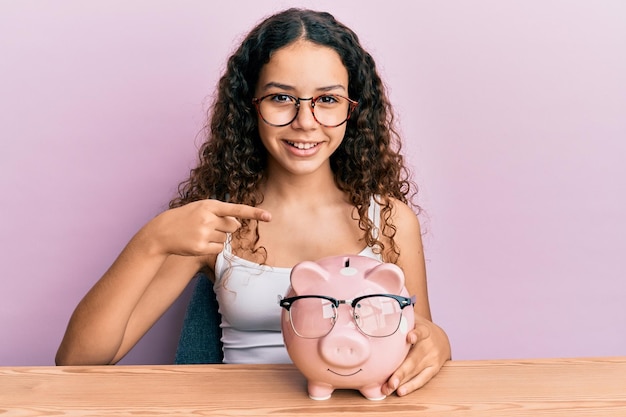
x=367 y=163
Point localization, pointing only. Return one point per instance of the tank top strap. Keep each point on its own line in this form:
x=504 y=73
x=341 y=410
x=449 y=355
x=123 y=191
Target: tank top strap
x=221 y=263
x=227 y=246
x=374 y=215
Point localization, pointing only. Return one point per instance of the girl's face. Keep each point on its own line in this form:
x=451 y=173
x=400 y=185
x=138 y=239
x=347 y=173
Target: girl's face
x=303 y=70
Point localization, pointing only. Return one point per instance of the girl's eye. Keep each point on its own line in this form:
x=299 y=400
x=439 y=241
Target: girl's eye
x=282 y=98
x=328 y=99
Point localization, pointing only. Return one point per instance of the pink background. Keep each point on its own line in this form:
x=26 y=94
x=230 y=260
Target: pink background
x=514 y=116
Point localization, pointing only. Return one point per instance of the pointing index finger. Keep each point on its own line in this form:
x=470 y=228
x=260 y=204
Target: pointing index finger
x=242 y=211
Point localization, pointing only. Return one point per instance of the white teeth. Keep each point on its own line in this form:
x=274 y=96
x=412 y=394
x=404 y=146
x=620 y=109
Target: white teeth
x=303 y=146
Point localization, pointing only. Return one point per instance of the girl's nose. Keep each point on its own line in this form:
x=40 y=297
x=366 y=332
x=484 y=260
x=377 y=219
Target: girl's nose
x=305 y=118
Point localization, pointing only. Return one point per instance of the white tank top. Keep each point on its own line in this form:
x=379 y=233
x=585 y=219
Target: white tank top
x=248 y=303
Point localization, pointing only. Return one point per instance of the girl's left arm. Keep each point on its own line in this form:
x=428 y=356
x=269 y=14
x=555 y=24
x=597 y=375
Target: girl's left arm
x=430 y=344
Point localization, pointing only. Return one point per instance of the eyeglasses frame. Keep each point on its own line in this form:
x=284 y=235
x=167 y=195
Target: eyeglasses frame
x=351 y=106
x=286 y=303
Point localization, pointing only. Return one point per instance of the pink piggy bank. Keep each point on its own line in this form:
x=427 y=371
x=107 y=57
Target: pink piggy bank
x=345 y=323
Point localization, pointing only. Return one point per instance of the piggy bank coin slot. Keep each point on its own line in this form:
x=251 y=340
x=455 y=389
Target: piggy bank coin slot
x=347 y=270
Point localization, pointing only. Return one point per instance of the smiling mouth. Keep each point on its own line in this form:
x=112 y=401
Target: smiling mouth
x=337 y=373
x=302 y=146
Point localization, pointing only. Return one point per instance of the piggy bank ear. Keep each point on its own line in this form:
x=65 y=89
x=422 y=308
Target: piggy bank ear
x=388 y=275
x=307 y=275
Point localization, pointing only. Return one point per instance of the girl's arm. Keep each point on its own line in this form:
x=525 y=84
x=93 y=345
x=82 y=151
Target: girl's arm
x=122 y=306
x=431 y=347
x=146 y=278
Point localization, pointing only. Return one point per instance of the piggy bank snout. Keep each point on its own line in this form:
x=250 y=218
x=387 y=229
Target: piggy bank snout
x=346 y=350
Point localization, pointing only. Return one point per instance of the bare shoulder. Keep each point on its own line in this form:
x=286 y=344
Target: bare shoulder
x=405 y=220
x=407 y=233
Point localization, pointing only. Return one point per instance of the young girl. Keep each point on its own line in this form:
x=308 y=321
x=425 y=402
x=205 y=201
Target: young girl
x=301 y=162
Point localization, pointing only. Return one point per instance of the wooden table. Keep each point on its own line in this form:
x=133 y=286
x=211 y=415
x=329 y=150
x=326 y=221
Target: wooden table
x=547 y=387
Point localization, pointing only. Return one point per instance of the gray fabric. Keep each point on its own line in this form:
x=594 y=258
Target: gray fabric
x=201 y=333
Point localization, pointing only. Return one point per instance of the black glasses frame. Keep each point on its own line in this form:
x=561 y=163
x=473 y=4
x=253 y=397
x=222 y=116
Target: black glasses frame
x=286 y=303
x=351 y=106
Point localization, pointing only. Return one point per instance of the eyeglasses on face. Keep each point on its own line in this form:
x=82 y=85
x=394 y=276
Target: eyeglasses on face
x=375 y=315
x=329 y=110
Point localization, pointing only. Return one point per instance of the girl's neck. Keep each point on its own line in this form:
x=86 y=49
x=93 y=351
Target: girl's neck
x=318 y=186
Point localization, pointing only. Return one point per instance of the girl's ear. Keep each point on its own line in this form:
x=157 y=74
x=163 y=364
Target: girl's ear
x=307 y=275
x=387 y=275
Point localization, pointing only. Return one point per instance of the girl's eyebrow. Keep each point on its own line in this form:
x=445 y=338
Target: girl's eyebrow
x=286 y=87
x=280 y=86
x=332 y=87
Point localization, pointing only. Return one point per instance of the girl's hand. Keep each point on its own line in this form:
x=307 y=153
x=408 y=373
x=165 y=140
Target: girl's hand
x=198 y=228
x=430 y=350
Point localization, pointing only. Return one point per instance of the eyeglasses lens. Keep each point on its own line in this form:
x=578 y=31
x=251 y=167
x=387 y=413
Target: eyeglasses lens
x=312 y=317
x=378 y=316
